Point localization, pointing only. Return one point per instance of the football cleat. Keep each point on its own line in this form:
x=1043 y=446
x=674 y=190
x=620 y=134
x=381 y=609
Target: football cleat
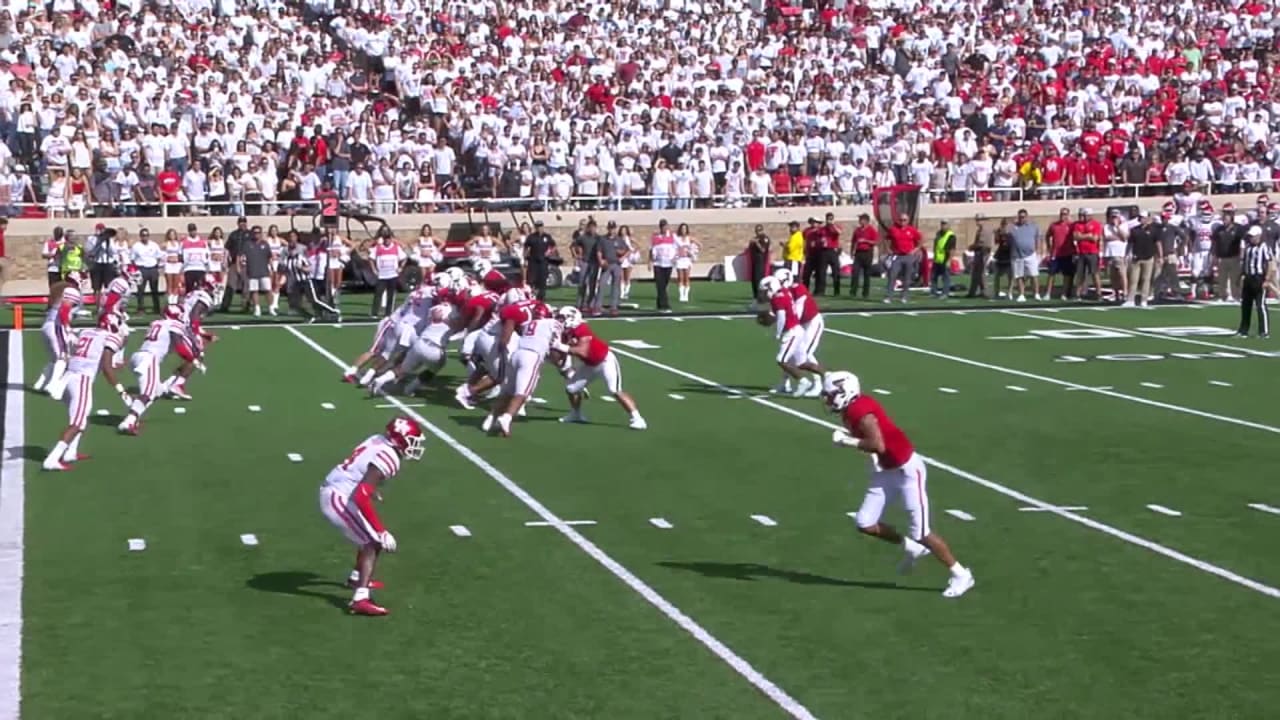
x=366 y=607
x=487 y=424
x=638 y=423
x=575 y=418
x=959 y=584
x=464 y=398
x=504 y=425
x=179 y=392
x=348 y=378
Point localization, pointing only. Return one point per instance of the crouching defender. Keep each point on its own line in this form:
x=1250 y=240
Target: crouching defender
x=595 y=360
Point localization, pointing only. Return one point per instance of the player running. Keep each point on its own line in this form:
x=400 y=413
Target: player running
x=94 y=352
x=897 y=472
x=347 y=496
x=165 y=334
x=195 y=307
x=64 y=300
x=595 y=360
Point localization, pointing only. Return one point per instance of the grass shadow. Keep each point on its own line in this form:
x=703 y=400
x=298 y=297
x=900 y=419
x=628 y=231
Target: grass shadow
x=751 y=572
x=298 y=583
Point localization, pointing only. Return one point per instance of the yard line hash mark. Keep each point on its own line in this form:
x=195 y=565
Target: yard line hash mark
x=294 y=457
x=179 y=411
x=748 y=672
x=1016 y=388
x=765 y=520
x=1157 y=386
x=1164 y=510
x=102 y=412
x=460 y=530
x=949 y=391
x=1265 y=508
x=1220 y=383
x=136 y=545
x=12 y=532
x=1105 y=390
x=1051 y=508
x=255 y=408
x=538 y=401
x=961 y=515
x=881 y=391
x=249 y=539
x=1125 y=536
x=675 y=396
x=327 y=406
x=660 y=523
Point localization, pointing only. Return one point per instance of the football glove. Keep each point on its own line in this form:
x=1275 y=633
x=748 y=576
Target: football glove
x=387 y=541
x=842 y=437
x=200 y=366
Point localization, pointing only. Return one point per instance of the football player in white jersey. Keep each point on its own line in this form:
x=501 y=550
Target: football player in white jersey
x=348 y=494
x=427 y=352
x=1202 y=228
x=413 y=317
x=195 y=307
x=94 y=351
x=385 y=339
x=64 y=300
x=164 y=335
x=493 y=348
x=537 y=332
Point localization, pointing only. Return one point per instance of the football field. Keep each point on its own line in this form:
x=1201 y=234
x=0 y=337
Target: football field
x=1108 y=475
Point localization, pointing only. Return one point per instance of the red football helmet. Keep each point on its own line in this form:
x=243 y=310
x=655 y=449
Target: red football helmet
x=406 y=434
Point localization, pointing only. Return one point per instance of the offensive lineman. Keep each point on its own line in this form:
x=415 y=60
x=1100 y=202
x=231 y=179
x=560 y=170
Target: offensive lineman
x=347 y=496
x=897 y=472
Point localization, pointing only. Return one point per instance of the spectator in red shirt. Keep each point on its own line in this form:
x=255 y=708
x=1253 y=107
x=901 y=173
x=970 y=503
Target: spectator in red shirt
x=755 y=154
x=863 y=248
x=1062 y=253
x=904 y=261
x=1086 y=234
x=1102 y=176
x=168 y=184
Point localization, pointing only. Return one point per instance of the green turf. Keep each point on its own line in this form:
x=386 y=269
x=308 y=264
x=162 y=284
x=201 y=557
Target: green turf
x=518 y=622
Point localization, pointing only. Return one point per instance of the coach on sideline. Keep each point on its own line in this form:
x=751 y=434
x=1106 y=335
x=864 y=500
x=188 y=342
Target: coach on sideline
x=1255 y=262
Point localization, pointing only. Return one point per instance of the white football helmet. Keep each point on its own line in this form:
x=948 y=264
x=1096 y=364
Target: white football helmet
x=440 y=279
x=784 y=276
x=770 y=286
x=175 y=312
x=482 y=267
x=839 y=388
x=569 y=316
x=456 y=274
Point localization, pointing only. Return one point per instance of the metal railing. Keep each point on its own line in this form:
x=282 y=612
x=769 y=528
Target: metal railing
x=614 y=203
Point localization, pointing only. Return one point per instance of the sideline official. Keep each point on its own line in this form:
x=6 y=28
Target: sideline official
x=1255 y=263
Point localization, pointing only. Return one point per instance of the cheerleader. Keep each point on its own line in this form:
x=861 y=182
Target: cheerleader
x=428 y=253
x=217 y=264
x=339 y=256
x=172 y=266
x=686 y=252
x=629 y=259
x=483 y=246
x=277 y=244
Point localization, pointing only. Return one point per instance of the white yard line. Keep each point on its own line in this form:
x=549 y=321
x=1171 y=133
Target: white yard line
x=12 y=528
x=547 y=523
x=1021 y=497
x=1265 y=508
x=1139 y=333
x=776 y=694
x=1071 y=508
x=1107 y=391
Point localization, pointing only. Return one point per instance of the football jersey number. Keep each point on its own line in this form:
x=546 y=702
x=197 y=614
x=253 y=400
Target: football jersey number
x=155 y=331
x=82 y=346
x=351 y=459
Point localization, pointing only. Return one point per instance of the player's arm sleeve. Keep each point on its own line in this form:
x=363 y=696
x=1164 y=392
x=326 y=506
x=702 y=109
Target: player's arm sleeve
x=363 y=497
x=779 y=324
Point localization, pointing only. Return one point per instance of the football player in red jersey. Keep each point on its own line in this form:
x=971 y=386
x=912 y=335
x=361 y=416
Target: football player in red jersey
x=811 y=320
x=347 y=496
x=896 y=472
x=596 y=360
x=492 y=279
x=790 y=336
x=535 y=330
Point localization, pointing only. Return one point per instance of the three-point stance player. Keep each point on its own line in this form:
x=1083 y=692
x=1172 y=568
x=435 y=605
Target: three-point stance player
x=347 y=496
x=897 y=472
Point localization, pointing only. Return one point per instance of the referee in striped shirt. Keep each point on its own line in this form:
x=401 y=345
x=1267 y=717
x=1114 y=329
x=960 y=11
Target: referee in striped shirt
x=1256 y=259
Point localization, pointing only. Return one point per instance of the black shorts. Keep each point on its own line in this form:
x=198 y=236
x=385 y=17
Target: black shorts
x=1086 y=265
x=1065 y=266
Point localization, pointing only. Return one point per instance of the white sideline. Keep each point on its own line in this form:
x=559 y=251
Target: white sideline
x=1139 y=333
x=12 y=519
x=1025 y=499
x=779 y=696
x=1055 y=381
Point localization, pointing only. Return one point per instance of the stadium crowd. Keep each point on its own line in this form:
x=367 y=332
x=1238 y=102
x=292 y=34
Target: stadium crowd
x=116 y=107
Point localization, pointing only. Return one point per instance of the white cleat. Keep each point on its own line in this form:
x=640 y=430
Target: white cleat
x=494 y=393
x=40 y=381
x=638 y=423
x=521 y=412
x=487 y=424
x=504 y=425
x=574 y=418
x=815 y=390
x=802 y=388
x=464 y=398
x=959 y=584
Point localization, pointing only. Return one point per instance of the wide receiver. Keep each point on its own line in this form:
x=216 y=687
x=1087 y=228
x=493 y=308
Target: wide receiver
x=595 y=360
x=94 y=351
x=897 y=472
x=347 y=496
